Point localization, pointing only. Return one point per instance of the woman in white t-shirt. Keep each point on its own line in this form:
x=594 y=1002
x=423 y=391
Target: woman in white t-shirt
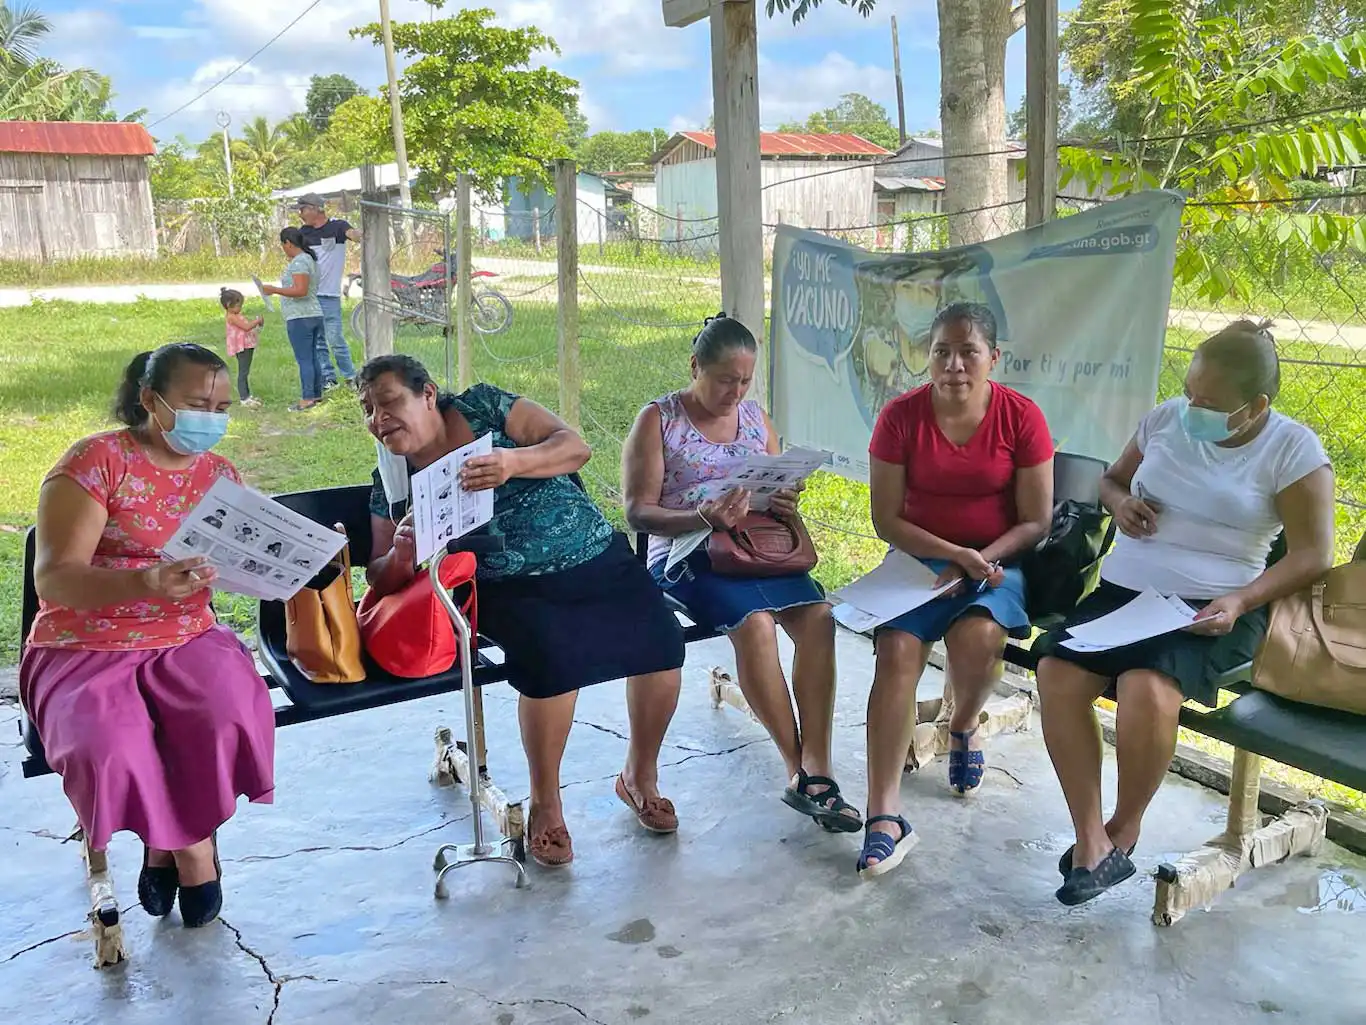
x=1199 y=495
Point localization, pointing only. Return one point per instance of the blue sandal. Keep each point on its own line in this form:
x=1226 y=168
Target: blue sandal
x=880 y=845
x=966 y=768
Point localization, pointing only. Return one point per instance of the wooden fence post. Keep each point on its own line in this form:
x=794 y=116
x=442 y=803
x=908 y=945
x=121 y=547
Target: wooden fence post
x=374 y=267
x=536 y=228
x=567 y=250
x=463 y=292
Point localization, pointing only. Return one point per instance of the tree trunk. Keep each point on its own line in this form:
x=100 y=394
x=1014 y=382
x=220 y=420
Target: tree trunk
x=972 y=62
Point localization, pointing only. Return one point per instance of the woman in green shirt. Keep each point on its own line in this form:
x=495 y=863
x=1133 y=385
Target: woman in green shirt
x=567 y=600
x=298 y=292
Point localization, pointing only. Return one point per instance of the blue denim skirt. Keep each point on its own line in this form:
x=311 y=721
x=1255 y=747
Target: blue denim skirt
x=724 y=603
x=931 y=621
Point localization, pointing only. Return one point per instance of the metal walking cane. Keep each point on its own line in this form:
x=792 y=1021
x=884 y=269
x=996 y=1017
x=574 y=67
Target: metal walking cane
x=479 y=851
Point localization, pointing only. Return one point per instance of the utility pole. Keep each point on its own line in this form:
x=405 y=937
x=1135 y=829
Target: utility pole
x=395 y=105
x=900 y=93
x=225 y=119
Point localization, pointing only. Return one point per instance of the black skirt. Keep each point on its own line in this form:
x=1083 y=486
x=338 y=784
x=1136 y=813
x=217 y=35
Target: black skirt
x=603 y=620
x=1194 y=661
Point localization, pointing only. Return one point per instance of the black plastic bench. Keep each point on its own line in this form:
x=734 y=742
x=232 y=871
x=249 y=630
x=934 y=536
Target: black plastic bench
x=309 y=701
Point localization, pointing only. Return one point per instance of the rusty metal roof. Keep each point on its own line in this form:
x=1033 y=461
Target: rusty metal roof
x=799 y=144
x=76 y=138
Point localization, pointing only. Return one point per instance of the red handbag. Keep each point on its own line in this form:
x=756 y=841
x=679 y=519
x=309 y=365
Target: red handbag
x=408 y=633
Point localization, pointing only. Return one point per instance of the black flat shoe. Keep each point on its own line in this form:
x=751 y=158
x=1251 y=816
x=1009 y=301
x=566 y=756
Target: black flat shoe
x=1082 y=884
x=200 y=905
x=157 y=887
x=1065 y=862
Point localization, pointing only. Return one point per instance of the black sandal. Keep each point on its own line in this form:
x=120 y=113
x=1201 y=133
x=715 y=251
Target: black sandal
x=200 y=905
x=157 y=886
x=1083 y=884
x=827 y=807
x=1065 y=862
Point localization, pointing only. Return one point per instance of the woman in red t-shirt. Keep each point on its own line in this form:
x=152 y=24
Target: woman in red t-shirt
x=962 y=479
x=154 y=716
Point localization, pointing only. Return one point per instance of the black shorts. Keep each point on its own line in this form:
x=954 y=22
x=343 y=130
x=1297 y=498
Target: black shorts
x=1194 y=661
x=603 y=620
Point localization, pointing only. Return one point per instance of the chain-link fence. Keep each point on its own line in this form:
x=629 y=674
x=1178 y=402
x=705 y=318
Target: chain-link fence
x=1301 y=264
x=646 y=278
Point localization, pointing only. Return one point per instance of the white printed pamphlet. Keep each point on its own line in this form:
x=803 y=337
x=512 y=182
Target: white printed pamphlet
x=442 y=509
x=270 y=303
x=1146 y=616
x=259 y=548
x=899 y=584
x=763 y=476
x=683 y=546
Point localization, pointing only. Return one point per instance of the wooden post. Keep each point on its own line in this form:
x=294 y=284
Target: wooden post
x=602 y=234
x=1041 y=110
x=464 y=294
x=536 y=228
x=739 y=193
x=374 y=267
x=567 y=250
x=900 y=92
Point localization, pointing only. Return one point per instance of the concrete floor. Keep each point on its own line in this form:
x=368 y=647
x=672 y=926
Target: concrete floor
x=750 y=914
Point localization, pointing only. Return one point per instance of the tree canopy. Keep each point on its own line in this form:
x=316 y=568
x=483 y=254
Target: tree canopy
x=325 y=94
x=36 y=88
x=473 y=101
x=616 y=151
x=855 y=114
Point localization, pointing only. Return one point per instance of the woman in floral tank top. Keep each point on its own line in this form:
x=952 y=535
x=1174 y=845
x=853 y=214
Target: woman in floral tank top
x=680 y=449
x=153 y=715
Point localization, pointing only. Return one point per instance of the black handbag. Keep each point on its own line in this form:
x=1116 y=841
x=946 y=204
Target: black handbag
x=1065 y=566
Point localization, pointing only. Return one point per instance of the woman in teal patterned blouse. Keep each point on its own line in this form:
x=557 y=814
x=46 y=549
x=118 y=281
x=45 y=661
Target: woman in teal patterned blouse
x=567 y=601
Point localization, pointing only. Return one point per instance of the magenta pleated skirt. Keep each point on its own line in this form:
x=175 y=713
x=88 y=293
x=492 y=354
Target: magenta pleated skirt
x=160 y=742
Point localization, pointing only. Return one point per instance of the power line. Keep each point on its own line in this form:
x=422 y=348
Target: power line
x=273 y=39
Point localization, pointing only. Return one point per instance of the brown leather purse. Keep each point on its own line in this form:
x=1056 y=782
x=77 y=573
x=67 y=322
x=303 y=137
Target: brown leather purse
x=322 y=635
x=1315 y=646
x=762 y=545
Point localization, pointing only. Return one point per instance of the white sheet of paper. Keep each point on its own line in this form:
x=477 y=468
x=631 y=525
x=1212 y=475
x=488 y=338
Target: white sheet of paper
x=765 y=475
x=684 y=545
x=856 y=619
x=1148 y=615
x=259 y=548
x=442 y=509
x=270 y=303
x=899 y=584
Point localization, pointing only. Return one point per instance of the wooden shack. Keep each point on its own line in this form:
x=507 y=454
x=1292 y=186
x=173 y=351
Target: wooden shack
x=811 y=181
x=70 y=189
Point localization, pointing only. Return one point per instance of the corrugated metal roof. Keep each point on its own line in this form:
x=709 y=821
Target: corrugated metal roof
x=76 y=138
x=899 y=183
x=795 y=144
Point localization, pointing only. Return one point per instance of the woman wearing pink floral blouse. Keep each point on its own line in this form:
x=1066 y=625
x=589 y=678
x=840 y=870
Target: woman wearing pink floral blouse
x=152 y=713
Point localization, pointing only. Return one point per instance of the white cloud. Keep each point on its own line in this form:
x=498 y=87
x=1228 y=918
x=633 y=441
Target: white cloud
x=170 y=33
x=788 y=93
x=251 y=93
x=80 y=38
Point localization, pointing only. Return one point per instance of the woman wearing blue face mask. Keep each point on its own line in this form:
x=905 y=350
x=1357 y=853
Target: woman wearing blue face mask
x=154 y=715
x=1200 y=494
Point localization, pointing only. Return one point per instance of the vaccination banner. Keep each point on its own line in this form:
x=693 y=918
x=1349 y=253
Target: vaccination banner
x=1080 y=304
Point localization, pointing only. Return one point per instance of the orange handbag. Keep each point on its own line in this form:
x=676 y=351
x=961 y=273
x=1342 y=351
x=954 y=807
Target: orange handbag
x=408 y=633
x=321 y=635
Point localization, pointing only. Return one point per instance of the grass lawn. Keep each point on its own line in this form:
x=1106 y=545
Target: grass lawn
x=60 y=363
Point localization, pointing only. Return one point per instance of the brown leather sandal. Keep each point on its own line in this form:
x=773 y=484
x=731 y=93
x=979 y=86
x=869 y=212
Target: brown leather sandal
x=552 y=848
x=655 y=814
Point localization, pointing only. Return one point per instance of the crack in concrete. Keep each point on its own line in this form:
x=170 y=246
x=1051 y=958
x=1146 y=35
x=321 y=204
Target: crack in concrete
x=716 y=754
x=41 y=834
x=627 y=737
x=524 y=1002
x=252 y=858
x=42 y=943
x=260 y=959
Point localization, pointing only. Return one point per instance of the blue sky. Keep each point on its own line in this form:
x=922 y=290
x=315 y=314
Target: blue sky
x=634 y=72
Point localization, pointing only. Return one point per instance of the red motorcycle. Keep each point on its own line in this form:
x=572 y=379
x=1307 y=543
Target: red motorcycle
x=421 y=299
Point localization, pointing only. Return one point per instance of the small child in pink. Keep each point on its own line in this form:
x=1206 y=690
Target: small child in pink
x=243 y=335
